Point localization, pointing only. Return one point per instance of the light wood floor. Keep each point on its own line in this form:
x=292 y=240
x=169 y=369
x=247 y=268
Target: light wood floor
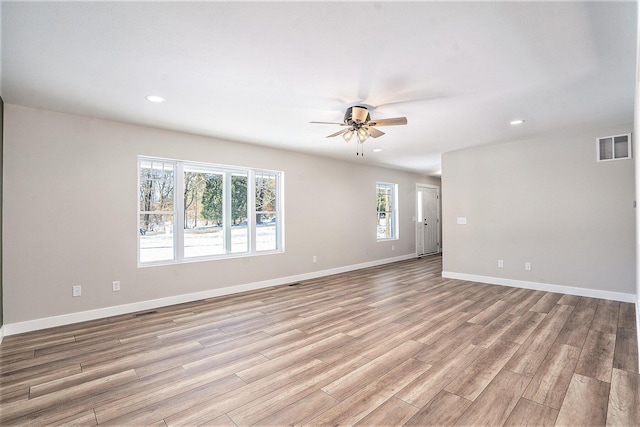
x=391 y=345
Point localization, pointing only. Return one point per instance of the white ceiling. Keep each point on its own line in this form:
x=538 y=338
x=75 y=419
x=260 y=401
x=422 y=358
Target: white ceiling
x=259 y=72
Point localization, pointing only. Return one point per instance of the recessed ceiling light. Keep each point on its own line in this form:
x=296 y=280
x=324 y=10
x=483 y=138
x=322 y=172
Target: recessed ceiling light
x=377 y=150
x=155 y=98
x=516 y=122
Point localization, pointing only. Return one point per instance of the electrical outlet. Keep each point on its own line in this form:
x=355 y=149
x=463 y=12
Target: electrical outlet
x=527 y=266
x=500 y=263
x=393 y=247
x=314 y=259
x=116 y=286
x=76 y=291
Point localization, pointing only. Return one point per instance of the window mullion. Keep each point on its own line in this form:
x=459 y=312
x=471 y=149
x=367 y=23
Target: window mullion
x=226 y=211
x=251 y=203
x=178 y=211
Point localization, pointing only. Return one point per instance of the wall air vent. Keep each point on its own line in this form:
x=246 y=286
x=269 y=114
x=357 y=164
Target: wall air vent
x=615 y=147
x=145 y=313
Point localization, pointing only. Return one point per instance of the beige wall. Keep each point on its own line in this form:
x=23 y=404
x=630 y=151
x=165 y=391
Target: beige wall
x=70 y=214
x=544 y=201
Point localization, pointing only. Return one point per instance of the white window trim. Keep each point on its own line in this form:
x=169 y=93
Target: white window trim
x=178 y=222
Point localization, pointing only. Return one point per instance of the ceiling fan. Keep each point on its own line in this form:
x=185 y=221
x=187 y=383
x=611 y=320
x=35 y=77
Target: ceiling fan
x=358 y=121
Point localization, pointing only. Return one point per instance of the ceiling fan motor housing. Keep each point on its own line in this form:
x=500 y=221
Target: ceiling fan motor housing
x=356 y=115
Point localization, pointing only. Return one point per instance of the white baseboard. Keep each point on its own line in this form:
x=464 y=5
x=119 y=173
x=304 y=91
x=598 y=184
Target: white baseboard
x=571 y=290
x=1 y=333
x=66 y=319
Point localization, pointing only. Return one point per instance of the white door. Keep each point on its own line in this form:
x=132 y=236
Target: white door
x=427 y=237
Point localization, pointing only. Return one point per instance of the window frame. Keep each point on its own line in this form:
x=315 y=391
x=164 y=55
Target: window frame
x=394 y=234
x=178 y=231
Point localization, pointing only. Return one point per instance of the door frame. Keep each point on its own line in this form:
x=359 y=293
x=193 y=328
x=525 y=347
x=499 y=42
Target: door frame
x=438 y=213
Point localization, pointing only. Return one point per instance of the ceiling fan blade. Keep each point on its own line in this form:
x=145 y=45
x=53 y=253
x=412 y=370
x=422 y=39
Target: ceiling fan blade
x=340 y=132
x=374 y=132
x=388 y=122
x=417 y=95
x=331 y=123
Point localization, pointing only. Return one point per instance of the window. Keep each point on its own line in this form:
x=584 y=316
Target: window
x=266 y=210
x=156 y=219
x=614 y=147
x=191 y=211
x=387 y=209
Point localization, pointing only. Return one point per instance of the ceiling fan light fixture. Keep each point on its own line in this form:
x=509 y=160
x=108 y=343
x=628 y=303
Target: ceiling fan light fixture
x=363 y=134
x=348 y=135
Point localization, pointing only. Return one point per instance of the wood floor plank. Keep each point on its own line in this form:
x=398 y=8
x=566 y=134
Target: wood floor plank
x=393 y=341
x=549 y=385
x=627 y=315
x=523 y=327
x=131 y=403
x=557 y=317
x=285 y=361
x=355 y=380
x=585 y=403
x=569 y=300
x=24 y=384
x=625 y=356
x=473 y=380
x=276 y=400
x=214 y=406
x=575 y=331
x=360 y=404
x=606 y=317
x=532 y=352
x=489 y=314
x=526 y=303
x=494 y=405
x=393 y=412
x=176 y=402
x=33 y=345
x=85 y=418
x=425 y=387
x=443 y=326
x=624 y=399
x=447 y=345
x=16 y=410
x=299 y=411
x=495 y=329
x=528 y=413
x=53 y=415
x=546 y=303
x=443 y=410
x=596 y=359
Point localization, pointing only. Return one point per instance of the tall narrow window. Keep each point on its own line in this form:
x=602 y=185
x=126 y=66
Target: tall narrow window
x=386 y=202
x=156 y=220
x=194 y=211
x=203 y=232
x=267 y=217
x=239 y=215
